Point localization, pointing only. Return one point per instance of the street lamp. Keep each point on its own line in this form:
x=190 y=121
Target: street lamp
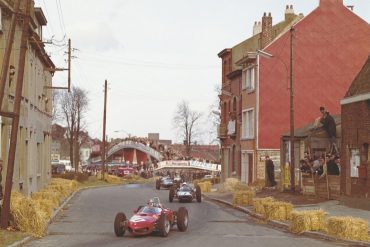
x=292 y=137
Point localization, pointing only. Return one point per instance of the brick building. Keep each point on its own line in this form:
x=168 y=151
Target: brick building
x=238 y=76
x=355 y=167
x=327 y=57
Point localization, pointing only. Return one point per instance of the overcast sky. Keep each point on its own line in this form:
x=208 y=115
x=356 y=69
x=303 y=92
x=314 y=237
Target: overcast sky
x=154 y=53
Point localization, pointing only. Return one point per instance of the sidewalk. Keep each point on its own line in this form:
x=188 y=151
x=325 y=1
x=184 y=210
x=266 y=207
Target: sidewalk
x=333 y=208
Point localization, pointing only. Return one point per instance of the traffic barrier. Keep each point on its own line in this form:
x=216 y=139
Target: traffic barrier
x=308 y=220
x=348 y=228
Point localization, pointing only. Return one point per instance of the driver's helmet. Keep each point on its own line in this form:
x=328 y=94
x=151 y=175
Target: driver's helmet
x=151 y=203
x=184 y=184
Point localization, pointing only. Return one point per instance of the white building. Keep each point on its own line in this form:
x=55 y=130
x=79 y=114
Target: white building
x=32 y=165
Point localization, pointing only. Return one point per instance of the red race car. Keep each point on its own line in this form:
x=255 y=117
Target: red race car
x=151 y=218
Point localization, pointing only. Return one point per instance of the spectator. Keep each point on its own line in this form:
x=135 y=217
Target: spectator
x=333 y=168
x=270 y=172
x=328 y=123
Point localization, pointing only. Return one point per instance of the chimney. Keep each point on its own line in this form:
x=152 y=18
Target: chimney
x=330 y=3
x=266 y=34
x=257 y=28
x=289 y=13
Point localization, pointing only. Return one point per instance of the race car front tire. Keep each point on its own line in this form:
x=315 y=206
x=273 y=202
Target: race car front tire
x=158 y=184
x=164 y=225
x=119 y=229
x=171 y=194
x=182 y=219
x=198 y=193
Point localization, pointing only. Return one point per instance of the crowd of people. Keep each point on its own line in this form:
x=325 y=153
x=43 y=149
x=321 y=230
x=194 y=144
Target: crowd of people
x=320 y=164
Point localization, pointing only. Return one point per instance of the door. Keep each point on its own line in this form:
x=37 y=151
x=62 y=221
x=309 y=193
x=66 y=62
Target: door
x=250 y=168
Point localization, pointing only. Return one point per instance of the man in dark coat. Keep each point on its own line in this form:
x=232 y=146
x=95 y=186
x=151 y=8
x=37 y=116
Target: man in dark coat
x=270 y=172
x=328 y=123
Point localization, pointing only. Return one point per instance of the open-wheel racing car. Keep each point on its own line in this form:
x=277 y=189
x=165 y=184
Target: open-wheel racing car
x=185 y=193
x=152 y=218
x=164 y=182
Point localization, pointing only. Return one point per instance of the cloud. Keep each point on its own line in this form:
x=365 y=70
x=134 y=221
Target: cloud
x=96 y=37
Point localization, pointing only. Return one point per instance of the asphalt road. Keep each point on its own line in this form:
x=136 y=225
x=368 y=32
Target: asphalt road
x=88 y=221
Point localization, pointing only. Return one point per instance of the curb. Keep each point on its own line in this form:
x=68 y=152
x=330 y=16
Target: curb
x=21 y=242
x=285 y=226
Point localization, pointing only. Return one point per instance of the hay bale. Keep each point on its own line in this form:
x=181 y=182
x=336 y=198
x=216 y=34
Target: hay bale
x=309 y=220
x=230 y=184
x=258 y=204
x=243 y=198
x=348 y=228
x=28 y=217
x=277 y=210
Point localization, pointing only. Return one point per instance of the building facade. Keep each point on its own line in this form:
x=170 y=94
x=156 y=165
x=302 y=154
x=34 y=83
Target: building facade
x=238 y=96
x=326 y=59
x=355 y=166
x=32 y=164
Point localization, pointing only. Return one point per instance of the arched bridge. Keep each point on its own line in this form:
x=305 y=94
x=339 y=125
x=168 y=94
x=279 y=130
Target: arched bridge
x=134 y=145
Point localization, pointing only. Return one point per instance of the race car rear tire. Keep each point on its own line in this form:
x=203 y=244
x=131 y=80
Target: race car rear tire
x=198 y=193
x=182 y=219
x=171 y=194
x=164 y=225
x=119 y=229
x=158 y=184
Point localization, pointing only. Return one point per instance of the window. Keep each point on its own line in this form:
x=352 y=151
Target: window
x=248 y=123
x=249 y=79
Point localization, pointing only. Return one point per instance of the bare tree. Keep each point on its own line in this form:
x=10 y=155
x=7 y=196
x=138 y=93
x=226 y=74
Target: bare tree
x=55 y=101
x=186 y=121
x=214 y=116
x=73 y=107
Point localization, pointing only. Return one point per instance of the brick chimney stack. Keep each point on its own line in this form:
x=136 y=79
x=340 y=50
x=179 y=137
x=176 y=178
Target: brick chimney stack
x=257 y=28
x=328 y=3
x=266 y=34
x=289 y=13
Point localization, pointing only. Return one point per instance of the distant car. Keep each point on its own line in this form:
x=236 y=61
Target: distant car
x=151 y=218
x=208 y=176
x=164 y=182
x=185 y=193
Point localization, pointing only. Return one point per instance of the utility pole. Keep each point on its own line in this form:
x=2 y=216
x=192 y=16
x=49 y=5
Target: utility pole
x=104 y=126
x=15 y=124
x=69 y=65
x=292 y=137
x=8 y=51
x=68 y=87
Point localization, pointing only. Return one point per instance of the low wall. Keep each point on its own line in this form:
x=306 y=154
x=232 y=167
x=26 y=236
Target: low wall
x=321 y=187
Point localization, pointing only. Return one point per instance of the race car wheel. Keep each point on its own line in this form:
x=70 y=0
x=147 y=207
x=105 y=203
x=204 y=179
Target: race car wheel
x=119 y=221
x=198 y=193
x=182 y=219
x=171 y=194
x=158 y=184
x=164 y=225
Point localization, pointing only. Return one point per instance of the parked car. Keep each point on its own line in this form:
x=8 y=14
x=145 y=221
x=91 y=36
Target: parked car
x=151 y=218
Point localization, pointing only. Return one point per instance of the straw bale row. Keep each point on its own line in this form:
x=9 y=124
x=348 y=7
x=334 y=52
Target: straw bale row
x=243 y=198
x=32 y=215
x=348 y=228
x=308 y=220
x=205 y=186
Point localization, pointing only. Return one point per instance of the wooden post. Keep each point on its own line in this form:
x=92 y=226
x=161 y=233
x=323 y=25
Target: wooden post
x=15 y=124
